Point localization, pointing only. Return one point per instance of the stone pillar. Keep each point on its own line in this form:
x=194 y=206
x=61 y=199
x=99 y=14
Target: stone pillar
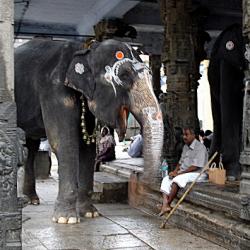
x=10 y=214
x=245 y=154
x=155 y=65
x=179 y=60
x=182 y=66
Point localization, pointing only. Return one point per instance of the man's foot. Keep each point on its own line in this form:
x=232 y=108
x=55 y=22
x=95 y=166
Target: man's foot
x=159 y=207
x=164 y=210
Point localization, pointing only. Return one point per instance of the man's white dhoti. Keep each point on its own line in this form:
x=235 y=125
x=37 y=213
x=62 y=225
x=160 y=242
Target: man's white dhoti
x=181 y=180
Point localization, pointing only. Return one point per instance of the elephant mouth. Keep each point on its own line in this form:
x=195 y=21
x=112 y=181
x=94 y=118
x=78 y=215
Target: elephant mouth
x=122 y=122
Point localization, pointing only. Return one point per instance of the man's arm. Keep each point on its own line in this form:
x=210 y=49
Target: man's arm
x=188 y=170
x=175 y=172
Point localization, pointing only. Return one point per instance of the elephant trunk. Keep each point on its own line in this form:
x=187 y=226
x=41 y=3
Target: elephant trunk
x=145 y=108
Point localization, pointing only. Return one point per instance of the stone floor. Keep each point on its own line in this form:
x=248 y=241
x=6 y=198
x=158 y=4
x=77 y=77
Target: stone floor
x=119 y=227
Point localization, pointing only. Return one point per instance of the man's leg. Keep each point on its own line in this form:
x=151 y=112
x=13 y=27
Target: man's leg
x=174 y=189
x=167 y=200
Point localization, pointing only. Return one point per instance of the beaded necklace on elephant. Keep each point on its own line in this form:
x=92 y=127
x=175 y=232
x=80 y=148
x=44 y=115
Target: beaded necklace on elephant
x=87 y=138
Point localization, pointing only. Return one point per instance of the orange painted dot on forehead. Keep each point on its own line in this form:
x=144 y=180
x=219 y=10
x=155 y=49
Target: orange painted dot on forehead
x=119 y=55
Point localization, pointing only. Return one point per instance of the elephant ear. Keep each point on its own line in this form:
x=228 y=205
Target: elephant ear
x=79 y=75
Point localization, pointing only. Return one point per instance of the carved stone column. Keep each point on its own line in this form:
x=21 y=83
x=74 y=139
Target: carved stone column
x=181 y=62
x=245 y=154
x=155 y=65
x=10 y=215
x=178 y=57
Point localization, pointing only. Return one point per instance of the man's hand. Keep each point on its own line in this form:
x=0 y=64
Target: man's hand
x=173 y=173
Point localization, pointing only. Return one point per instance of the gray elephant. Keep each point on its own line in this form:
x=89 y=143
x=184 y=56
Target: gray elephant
x=225 y=75
x=58 y=87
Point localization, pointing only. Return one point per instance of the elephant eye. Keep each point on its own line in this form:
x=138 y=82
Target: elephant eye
x=126 y=76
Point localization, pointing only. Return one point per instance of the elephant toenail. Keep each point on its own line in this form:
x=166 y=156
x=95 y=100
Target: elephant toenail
x=88 y=215
x=72 y=220
x=62 y=220
x=95 y=214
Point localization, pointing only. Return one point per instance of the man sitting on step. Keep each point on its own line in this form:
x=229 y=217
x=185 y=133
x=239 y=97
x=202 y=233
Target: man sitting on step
x=194 y=157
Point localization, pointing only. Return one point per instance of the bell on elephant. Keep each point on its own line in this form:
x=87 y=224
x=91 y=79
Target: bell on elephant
x=50 y=78
x=225 y=75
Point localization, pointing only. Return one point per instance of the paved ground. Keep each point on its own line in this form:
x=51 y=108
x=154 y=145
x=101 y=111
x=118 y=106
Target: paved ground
x=119 y=227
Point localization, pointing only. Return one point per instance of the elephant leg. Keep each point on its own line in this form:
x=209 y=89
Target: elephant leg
x=62 y=128
x=86 y=179
x=231 y=116
x=214 y=81
x=29 y=187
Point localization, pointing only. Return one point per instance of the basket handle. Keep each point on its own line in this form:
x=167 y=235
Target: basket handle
x=221 y=165
x=213 y=165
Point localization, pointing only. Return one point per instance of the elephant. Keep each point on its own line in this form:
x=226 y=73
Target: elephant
x=225 y=75
x=60 y=87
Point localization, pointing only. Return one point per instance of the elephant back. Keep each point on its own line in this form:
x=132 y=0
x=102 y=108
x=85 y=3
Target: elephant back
x=39 y=66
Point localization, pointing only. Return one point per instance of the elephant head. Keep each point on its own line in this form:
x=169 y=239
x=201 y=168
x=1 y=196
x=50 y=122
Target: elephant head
x=115 y=81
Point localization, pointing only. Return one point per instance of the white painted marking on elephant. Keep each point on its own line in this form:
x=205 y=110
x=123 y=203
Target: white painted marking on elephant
x=153 y=115
x=79 y=68
x=229 y=45
x=113 y=71
x=247 y=53
x=148 y=78
x=109 y=76
x=155 y=126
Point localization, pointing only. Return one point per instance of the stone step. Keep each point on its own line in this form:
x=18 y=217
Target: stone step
x=212 y=224
x=123 y=167
x=225 y=199
x=109 y=188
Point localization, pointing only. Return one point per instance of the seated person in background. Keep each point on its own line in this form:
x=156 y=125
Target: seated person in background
x=136 y=146
x=207 y=139
x=193 y=158
x=105 y=148
x=201 y=135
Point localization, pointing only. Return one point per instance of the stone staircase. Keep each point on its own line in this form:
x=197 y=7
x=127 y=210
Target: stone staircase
x=209 y=211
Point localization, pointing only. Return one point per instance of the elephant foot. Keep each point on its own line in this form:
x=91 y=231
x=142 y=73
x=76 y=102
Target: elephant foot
x=232 y=171
x=87 y=210
x=33 y=199
x=65 y=214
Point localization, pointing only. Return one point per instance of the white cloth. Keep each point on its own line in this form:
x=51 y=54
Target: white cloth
x=181 y=180
x=44 y=145
x=136 y=147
